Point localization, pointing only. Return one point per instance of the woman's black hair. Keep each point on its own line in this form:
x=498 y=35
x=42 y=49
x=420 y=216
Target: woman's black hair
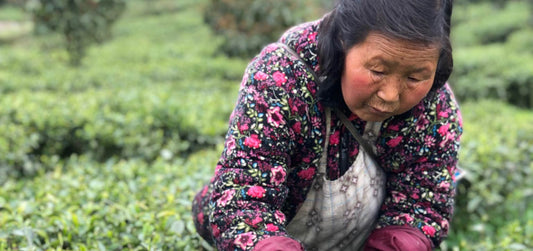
x=421 y=21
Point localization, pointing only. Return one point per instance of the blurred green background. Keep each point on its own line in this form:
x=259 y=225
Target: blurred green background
x=113 y=114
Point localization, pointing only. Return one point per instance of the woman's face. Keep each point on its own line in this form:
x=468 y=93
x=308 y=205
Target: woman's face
x=384 y=76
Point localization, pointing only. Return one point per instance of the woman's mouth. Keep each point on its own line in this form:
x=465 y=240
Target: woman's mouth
x=379 y=111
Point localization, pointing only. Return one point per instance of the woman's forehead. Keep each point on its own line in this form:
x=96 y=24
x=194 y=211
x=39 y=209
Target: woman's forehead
x=378 y=43
x=380 y=37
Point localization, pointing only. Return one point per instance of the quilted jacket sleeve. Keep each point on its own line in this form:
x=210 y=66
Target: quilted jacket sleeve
x=249 y=187
x=420 y=190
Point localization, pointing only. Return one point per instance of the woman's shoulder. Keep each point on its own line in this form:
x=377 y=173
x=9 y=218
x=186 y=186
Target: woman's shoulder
x=430 y=130
x=302 y=39
x=291 y=61
x=304 y=31
x=439 y=107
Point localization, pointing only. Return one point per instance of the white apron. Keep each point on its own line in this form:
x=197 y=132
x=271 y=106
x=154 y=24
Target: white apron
x=340 y=214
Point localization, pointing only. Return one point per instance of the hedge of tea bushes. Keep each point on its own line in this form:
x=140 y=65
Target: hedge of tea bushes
x=155 y=91
x=116 y=205
x=494 y=206
x=248 y=25
x=493 y=52
x=486 y=23
x=41 y=128
x=81 y=23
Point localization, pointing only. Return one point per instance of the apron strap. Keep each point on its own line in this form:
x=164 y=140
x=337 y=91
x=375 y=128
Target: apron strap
x=324 y=158
x=368 y=149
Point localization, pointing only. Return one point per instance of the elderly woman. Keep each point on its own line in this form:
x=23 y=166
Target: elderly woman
x=344 y=137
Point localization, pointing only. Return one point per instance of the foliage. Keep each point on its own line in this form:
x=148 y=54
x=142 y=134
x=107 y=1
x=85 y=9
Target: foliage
x=117 y=123
x=494 y=71
x=143 y=105
x=248 y=25
x=114 y=150
x=485 y=24
x=82 y=22
x=493 y=52
x=116 y=205
x=11 y=12
x=109 y=155
x=497 y=194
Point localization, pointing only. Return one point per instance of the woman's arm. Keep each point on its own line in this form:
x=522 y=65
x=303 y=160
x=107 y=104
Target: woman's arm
x=420 y=194
x=250 y=183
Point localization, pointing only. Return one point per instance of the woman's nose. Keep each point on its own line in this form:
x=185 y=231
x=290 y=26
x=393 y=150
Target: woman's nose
x=390 y=91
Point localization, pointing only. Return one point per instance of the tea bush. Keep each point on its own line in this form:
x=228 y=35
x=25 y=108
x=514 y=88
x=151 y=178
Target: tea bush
x=484 y=23
x=117 y=123
x=80 y=22
x=139 y=122
x=116 y=205
x=497 y=195
x=155 y=102
x=494 y=71
x=248 y=25
x=493 y=52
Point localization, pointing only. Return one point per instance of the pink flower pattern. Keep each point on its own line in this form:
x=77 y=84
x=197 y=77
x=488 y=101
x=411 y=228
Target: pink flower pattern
x=260 y=76
x=226 y=197
x=277 y=175
x=275 y=140
x=429 y=230
x=274 y=117
x=253 y=141
x=245 y=240
x=256 y=192
x=279 y=216
x=279 y=78
x=271 y=227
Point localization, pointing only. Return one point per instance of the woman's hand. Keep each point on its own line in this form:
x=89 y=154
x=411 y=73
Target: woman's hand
x=397 y=238
x=278 y=243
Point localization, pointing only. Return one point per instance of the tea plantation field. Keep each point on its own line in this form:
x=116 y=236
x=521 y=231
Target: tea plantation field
x=108 y=155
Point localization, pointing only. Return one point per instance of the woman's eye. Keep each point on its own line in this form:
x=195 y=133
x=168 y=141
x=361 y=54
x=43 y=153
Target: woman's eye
x=377 y=73
x=412 y=79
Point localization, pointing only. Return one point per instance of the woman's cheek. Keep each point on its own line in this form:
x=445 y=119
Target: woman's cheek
x=356 y=88
x=358 y=82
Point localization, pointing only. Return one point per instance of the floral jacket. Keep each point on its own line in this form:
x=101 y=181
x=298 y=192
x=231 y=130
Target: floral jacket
x=276 y=138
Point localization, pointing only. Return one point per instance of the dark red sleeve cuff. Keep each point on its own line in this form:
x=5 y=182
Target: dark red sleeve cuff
x=396 y=238
x=278 y=243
